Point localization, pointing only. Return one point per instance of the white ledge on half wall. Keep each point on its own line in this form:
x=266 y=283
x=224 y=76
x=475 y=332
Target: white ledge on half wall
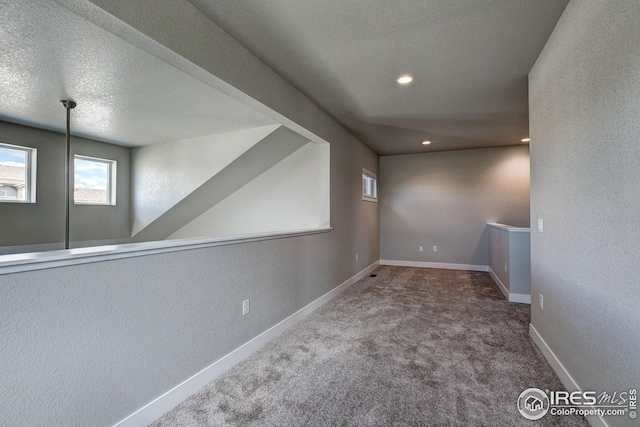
x=509 y=228
x=15 y=263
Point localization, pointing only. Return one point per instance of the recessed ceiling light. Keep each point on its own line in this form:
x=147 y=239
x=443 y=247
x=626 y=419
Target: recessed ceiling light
x=426 y=142
x=525 y=139
x=403 y=80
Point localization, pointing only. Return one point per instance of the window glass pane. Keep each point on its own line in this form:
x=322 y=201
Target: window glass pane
x=13 y=174
x=369 y=186
x=91 y=181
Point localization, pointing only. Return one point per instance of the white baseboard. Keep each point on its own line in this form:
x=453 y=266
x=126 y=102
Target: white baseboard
x=565 y=377
x=498 y=282
x=443 y=265
x=163 y=404
x=519 y=298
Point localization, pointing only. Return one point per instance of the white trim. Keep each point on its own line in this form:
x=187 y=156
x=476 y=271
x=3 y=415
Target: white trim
x=565 y=377
x=41 y=260
x=163 y=404
x=443 y=265
x=519 y=298
x=498 y=282
x=510 y=228
x=368 y=172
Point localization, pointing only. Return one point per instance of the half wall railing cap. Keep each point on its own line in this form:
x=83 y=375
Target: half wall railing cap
x=507 y=227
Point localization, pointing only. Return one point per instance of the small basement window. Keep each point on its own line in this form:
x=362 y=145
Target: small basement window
x=17 y=174
x=369 y=186
x=94 y=181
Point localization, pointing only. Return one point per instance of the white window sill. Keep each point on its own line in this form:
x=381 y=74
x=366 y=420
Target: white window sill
x=370 y=199
x=42 y=260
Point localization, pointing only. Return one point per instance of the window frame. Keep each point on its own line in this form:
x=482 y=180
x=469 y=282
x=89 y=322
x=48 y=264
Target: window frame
x=369 y=177
x=31 y=157
x=112 y=168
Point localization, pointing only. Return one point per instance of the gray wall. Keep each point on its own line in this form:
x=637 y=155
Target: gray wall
x=255 y=161
x=90 y=344
x=445 y=199
x=499 y=254
x=510 y=259
x=520 y=265
x=164 y=174
x=42 y=223
x=40 y=226
x=291 y=195
x=585 y=172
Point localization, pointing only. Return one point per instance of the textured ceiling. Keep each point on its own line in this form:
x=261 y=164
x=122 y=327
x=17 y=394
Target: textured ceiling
x=124 y=95
x=469 y=60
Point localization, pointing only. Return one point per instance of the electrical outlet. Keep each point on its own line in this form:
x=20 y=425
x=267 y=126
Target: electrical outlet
x=540 y=225
x=245 y=307
x=420 y=248
x=541 y=302
x=435 y=249
x=356 y=257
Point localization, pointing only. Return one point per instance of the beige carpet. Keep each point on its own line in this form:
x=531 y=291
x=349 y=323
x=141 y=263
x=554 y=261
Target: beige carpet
x=409 y=347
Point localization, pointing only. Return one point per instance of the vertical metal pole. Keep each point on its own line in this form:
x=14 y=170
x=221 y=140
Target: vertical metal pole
x=69 y=105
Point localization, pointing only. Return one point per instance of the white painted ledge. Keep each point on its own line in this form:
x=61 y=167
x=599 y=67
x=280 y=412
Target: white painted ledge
x=42 y=260
x=509 y=228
